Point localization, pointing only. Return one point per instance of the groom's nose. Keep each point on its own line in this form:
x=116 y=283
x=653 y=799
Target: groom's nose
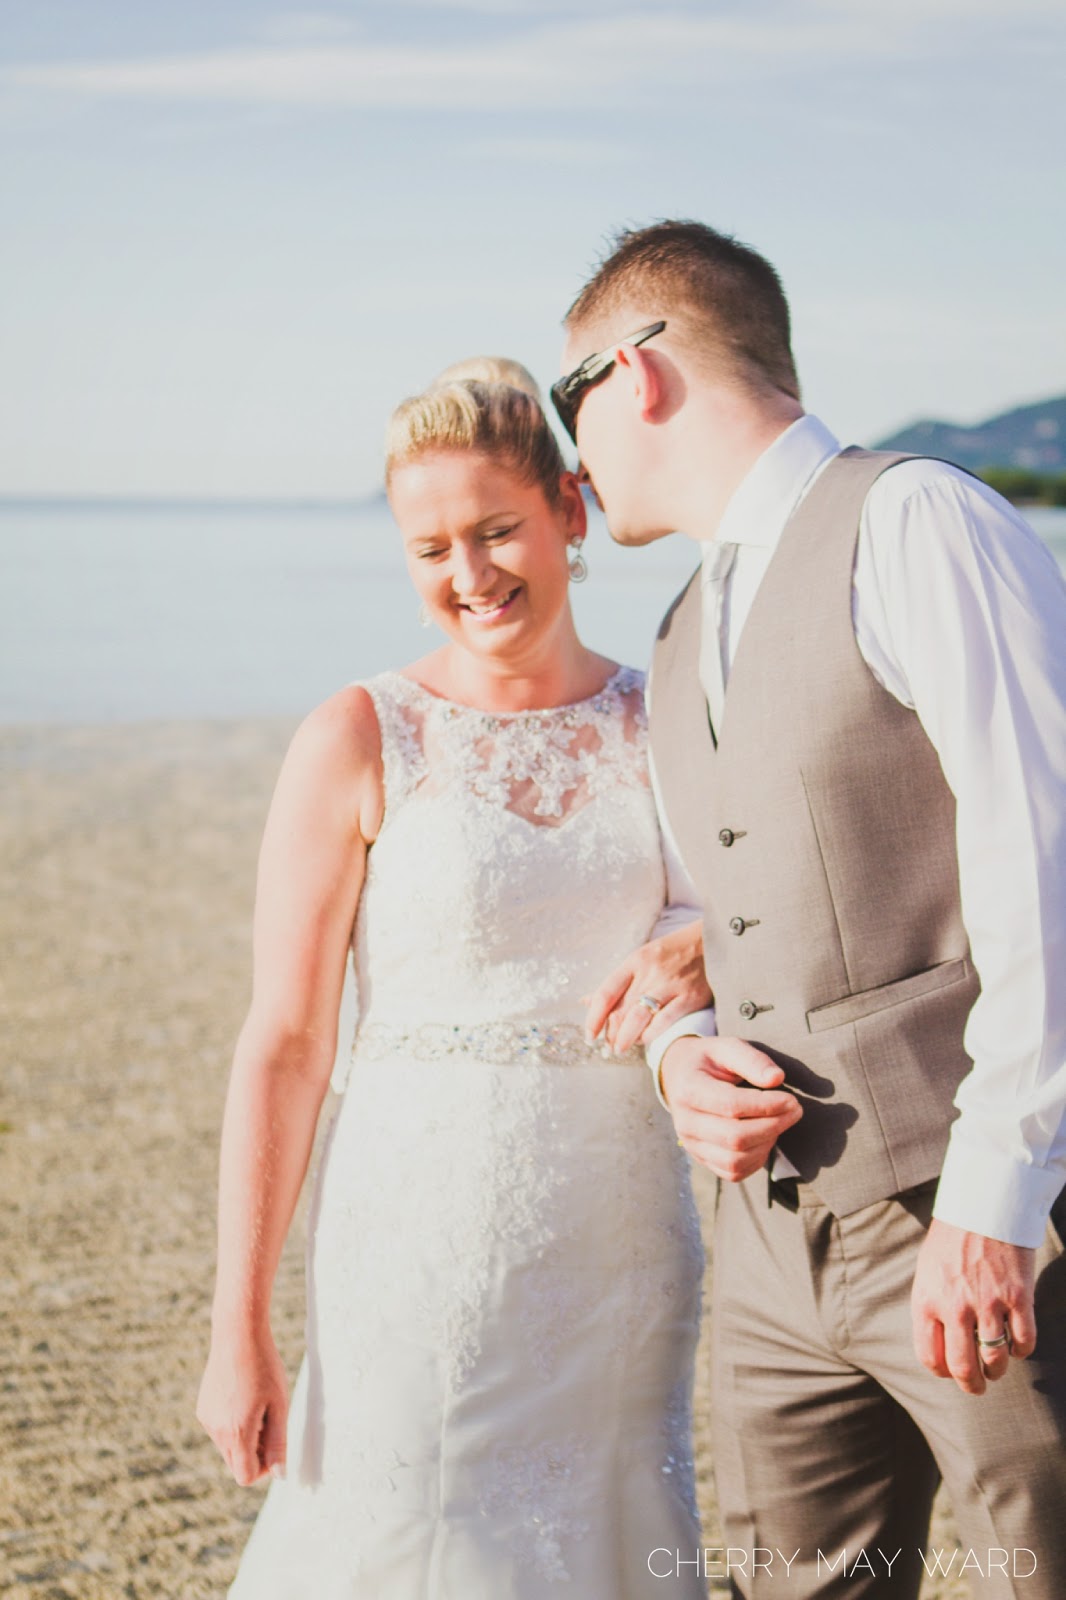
x=585 y=480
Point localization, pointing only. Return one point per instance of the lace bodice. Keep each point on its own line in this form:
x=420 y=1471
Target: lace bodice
x=518 y=860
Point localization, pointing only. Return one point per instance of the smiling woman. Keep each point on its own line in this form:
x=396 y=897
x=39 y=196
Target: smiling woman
x=504 y=1254
x=492 y=524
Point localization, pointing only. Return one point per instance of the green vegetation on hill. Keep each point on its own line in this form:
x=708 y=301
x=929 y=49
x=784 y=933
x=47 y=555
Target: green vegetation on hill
x=1027 y=488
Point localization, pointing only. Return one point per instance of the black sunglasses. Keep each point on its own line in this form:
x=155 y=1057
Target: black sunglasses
x=568 y=392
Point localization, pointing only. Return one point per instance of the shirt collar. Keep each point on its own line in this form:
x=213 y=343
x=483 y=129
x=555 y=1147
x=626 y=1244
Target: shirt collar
x=773 y=487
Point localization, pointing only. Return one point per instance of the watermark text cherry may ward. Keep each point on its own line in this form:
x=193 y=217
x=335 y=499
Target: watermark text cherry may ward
x=726 y=1561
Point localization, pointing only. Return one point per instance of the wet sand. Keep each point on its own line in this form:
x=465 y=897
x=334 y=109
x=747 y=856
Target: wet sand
x=128 y=857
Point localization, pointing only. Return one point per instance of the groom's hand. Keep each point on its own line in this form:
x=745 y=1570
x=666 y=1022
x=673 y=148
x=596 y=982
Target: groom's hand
x=967 y=1286
x=727 y=1104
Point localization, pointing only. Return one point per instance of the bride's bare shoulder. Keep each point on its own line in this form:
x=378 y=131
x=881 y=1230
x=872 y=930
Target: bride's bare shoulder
x=334 y=758
x=343 y=729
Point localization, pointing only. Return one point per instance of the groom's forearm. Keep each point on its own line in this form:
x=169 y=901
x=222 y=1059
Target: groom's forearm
x=992 y=1191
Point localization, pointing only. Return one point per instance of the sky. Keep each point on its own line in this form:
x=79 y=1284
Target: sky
x=236 y=234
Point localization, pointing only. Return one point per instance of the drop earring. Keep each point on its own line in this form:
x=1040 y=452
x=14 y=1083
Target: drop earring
x=424 y=618
x=578 y=566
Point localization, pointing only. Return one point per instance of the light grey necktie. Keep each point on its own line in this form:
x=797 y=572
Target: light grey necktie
x=716 y=570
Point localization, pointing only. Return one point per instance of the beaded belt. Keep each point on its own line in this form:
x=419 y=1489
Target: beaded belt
x=558 y=1044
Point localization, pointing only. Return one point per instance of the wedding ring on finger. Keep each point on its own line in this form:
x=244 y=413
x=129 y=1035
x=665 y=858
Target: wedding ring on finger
x=1003 y=1342
x=650 y=1001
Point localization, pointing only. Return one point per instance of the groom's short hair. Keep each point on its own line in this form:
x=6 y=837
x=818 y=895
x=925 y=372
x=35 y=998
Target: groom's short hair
x=725 y=297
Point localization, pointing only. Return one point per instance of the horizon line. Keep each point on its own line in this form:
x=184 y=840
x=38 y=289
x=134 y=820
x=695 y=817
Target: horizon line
x=191 y=501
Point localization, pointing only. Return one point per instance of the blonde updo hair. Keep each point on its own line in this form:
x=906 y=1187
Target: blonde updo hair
x=488 y=404
x=490 y=369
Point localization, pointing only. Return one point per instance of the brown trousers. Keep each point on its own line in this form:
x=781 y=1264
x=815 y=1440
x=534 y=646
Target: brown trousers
x=830 y=1438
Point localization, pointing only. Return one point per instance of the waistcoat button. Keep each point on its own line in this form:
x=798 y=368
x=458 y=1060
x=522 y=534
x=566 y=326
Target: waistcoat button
x=748 y=1009
x=737 y=925
x=726 y=837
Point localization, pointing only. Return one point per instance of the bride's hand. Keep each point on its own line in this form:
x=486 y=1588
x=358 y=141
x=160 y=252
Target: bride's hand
x=244 y=1406
x=670 y=970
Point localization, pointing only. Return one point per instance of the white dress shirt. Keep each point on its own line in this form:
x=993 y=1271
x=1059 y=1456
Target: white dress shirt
x=960 y=613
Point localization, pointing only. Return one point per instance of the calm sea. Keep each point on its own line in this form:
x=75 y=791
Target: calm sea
x=122 y=612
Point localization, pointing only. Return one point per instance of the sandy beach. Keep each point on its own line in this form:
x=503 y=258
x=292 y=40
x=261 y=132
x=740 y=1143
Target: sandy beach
x=128 y=863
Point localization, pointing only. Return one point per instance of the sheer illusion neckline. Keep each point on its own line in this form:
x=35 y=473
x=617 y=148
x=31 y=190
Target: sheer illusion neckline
x=543 y=765
x=453 y=707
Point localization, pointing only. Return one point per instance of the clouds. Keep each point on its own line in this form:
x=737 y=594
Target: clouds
x=523 y=59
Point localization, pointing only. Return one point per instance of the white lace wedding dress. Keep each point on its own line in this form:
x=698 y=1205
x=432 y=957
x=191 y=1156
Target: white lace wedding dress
x=504 y=1254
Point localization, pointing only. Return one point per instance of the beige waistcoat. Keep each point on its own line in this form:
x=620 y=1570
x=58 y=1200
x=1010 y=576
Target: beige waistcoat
x=821 y=836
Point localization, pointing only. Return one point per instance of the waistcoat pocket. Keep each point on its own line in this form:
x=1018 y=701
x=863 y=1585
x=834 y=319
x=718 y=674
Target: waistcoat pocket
x=855 y=1006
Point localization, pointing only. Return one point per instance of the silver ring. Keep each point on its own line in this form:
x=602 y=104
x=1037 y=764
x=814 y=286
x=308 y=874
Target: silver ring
x=993 y=1344
x=650 y=1001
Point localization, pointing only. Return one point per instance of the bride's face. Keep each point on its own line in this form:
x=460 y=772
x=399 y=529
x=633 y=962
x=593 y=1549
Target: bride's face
x=486 y=551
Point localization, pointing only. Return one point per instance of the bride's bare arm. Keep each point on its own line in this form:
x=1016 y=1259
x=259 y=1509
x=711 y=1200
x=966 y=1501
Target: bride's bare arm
x=326 y=808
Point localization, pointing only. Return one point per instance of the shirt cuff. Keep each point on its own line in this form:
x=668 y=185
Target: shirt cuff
x=698 y=1024
x=781 y=1166
x=987 y=1192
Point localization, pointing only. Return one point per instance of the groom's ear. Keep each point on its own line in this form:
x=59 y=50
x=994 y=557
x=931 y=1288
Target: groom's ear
x=640 y=370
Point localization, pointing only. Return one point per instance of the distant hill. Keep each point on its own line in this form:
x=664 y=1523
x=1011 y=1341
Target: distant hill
x=1031 y=437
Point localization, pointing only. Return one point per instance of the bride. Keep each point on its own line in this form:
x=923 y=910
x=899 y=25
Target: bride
x=504 y=1256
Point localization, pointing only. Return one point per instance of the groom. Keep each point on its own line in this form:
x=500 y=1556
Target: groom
x=858 y=724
